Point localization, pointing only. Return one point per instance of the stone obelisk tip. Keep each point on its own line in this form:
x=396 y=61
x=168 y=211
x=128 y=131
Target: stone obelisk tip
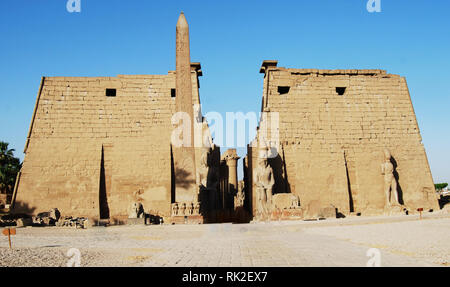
x=182 y=21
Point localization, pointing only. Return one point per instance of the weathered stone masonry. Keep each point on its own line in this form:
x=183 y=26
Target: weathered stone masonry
x=97 y=145
x=77 y=128
x=334 y=125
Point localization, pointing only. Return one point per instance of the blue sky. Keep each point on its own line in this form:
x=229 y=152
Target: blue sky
x=230 y=39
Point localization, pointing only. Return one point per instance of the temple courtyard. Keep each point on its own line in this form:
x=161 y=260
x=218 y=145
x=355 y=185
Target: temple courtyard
x=401 y=241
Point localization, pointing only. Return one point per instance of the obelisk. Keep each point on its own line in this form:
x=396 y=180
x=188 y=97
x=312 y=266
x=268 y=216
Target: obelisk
x=184 y=157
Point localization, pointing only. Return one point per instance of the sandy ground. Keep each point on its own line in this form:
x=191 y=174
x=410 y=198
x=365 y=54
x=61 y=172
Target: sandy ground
x=400 y=241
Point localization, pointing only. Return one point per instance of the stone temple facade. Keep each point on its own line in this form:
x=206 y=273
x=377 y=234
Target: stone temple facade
x=98 y=145
x=334 y=128
x=347 y=143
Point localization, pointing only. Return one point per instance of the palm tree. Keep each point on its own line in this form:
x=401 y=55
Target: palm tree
x=9 y=167
x=5 y=152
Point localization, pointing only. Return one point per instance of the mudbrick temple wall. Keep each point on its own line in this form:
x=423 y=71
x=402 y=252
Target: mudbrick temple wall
x=334 y=126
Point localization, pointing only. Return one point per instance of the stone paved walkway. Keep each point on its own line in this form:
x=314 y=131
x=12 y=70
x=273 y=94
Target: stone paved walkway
x=262 y=244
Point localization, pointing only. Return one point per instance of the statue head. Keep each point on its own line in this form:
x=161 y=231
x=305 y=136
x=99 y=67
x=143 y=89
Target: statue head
x=263 y=155
x=387 y=154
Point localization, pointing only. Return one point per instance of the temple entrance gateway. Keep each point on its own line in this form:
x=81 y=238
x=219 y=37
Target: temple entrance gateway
x=95 y=141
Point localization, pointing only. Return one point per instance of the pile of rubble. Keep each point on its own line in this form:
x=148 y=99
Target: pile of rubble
x=51 y=218
x=47 y=218
x=75 y=222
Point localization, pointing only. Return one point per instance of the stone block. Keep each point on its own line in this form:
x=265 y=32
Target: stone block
x=136 y=221
x=24 y=222
x=327 y=212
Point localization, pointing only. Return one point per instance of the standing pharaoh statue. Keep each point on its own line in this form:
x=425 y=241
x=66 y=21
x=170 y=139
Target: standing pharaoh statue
x=202 y=174
x=239 y=198
x=264 y=181
x=390 y=183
